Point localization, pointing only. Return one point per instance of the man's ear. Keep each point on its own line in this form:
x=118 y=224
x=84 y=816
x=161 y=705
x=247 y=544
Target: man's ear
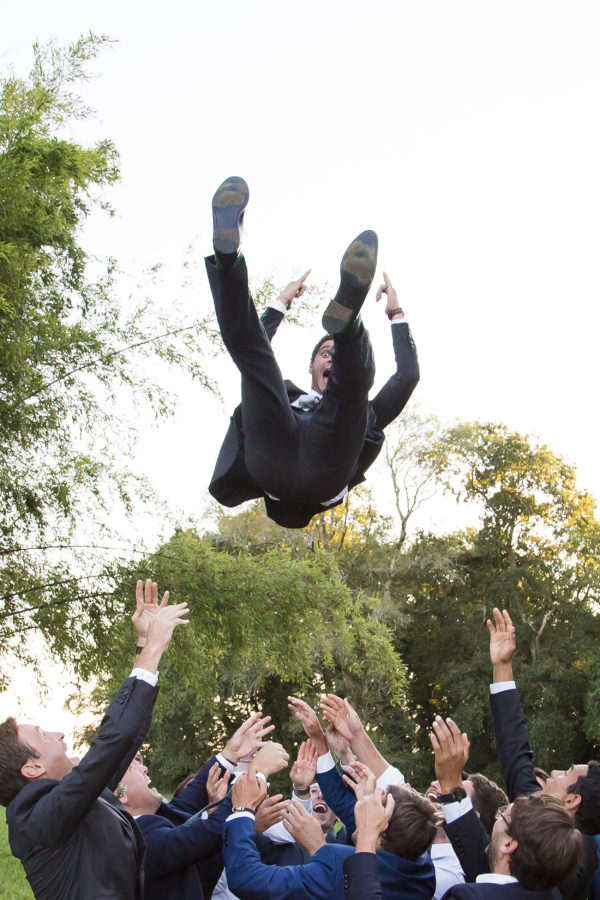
x=509 y=845
x=33 y=769
x=572 y=802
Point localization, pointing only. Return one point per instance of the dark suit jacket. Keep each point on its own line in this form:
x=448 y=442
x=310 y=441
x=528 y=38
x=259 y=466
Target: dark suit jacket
x=320 y=879
x=231 y=482
x=181 y=846
x=70 y=842
x=361 y=877
x=512 y=891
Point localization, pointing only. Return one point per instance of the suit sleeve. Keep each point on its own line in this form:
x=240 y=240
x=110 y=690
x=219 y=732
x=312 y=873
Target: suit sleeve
x=251 y=879
x=270 y=320
x=395 y=394
x=194 y=796
x=57 y=815
x=361 y=877
x=173 y=847
x=512 y=744
x=337 y=796
x=470 y=841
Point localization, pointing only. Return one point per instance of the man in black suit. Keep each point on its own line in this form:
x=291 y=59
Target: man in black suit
x=301 y=452
x=72 y=836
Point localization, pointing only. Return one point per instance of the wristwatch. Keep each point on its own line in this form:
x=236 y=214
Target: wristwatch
x=243 y=809
x=455 y=796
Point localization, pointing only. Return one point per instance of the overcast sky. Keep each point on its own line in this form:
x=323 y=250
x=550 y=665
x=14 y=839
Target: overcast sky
x=466 y=134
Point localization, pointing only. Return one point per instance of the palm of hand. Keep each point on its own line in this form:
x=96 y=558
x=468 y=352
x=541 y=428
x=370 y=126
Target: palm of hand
x=501 y=648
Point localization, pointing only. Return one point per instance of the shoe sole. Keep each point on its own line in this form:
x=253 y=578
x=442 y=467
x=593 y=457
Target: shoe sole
x=357 y=271
x=228 y=205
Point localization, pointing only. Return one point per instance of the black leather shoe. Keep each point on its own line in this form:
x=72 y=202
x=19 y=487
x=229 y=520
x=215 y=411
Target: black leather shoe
x=228 y=205
x=357 y=272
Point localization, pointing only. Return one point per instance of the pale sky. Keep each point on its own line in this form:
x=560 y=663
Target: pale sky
x=466 y=134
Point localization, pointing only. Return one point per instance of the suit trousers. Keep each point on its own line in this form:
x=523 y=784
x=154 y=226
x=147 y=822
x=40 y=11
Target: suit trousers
x=293 y=455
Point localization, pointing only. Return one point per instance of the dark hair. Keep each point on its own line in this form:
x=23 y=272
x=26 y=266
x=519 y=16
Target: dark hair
x=549 y=847
x=14 y=753
x=587 y=814
x=412 y=827
x=487 y=798
x=317 y=347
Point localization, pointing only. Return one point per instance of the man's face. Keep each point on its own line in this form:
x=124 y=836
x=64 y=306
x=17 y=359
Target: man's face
x=321 y=812
x=561 y=779
x=498 y=836
x=53 y=761
x=141 y=798
x=320 y=367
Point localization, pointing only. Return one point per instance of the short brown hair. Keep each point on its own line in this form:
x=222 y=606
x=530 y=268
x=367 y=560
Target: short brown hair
x=412 y=827
x=487 y=798
x=317 y=347
x=549 y=846
x=14 y=753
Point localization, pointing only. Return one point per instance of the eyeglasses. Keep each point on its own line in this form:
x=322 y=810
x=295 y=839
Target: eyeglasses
x=500 y=814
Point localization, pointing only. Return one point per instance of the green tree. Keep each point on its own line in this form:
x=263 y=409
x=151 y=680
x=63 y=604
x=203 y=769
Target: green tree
x=69 y=346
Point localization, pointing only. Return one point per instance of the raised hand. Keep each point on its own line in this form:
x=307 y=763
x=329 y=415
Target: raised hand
x=293 y=290
x=360 y=778
x=216 y=783
x=271 y=758
x=339 y=745
x=270 y=812
x=160 y=631
x=304 y=769
x=248 y=738
x=304 y=828
x=372 y=819
x=309 y=721
x=503 y=642
x=248 y=791
x=146 y=605
x=451 y=749
x=342 y=716
x=392 y=306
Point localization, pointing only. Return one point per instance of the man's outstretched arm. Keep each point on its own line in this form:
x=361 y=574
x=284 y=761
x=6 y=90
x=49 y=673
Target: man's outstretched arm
x=396 y=392
x=273 y=315
x=510 y=730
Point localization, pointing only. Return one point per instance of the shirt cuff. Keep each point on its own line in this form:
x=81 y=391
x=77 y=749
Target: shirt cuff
x=325 y=763
x=278 y=305
x=500 y=686
x=240 y=815
x=144 y=675
x=392 y=775
x=306 y=802
x=399 y=321
x=453 y=811
x=225 y=762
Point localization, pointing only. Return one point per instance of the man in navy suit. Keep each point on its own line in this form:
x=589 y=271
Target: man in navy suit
x=72 y=836
x=301 y=452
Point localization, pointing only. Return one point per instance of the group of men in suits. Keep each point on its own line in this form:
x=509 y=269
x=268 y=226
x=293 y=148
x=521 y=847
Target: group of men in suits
x=96 y=828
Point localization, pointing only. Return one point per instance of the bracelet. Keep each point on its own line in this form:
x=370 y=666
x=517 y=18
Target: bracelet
x=139 y=649
x=239 y=809
x=394 y=312
x=302 y=792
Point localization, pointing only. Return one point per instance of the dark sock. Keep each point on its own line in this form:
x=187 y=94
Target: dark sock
x=226 y=261
x=351 y=331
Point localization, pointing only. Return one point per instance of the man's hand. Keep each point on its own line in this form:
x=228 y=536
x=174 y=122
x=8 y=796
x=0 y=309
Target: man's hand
x=160 y=632
x=248 y=790
x=339 y=713
x=339 y=745
x=293 y=290
x=304 y=769
x=451 y=749
x=146 y=605
x=216 y=783
x=392 y=306
x=360 y=779
x=248 y=738
x=305 y=829
x=372 y=819
x=270 y=812
x=309 y=721
x=270 y=758
x=503 y=644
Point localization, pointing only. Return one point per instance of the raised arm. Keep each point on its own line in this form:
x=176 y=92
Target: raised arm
x=346 y=721
x=273 y=315
x=510 y=730
x=396 y=392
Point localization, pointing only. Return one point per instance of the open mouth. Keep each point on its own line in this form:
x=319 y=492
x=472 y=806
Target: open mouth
x=326 y=375
x=320 y=807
